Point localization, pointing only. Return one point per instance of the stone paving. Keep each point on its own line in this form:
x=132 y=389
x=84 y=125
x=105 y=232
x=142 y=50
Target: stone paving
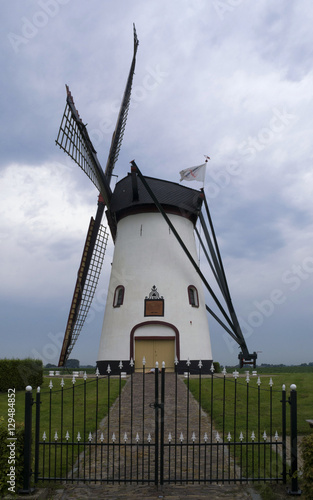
x=170 y=492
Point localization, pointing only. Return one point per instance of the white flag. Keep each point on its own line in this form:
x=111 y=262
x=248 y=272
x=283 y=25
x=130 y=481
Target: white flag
x=193 y=173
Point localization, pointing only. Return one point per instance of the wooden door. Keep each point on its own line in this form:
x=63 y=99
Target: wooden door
x=154 y=350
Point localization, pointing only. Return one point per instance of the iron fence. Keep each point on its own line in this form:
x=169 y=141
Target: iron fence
x=158 y=428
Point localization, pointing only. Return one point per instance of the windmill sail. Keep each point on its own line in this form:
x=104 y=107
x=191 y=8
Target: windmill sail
x=73 y=138
x=122 y=117
x=86 y=283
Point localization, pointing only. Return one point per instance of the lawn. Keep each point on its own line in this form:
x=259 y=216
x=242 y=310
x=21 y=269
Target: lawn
x=258 y=399
x=84 y=396
x=236 y=407
x=67 y=411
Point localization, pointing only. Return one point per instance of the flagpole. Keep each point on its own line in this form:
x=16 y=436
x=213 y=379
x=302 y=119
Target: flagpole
x=206 y=161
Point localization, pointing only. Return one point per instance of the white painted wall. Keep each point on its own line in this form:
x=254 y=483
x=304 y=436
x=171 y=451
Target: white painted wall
x=146 y=254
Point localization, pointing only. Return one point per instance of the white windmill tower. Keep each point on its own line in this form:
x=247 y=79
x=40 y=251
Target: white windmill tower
x=155 y=307
x=155 y=303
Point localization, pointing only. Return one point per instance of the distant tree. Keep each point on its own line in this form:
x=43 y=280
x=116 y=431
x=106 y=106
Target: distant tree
x=217 y=367
x=72 y=363
x=50 y=365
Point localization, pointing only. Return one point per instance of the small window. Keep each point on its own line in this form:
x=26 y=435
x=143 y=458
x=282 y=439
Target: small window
x=118 y=296
x=193 y=296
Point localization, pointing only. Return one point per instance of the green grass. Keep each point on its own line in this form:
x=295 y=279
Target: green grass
x=89 y=409
x=303 y=381
x=78 y=407
x=240 y=407
x=79 y=402
x=84 y=406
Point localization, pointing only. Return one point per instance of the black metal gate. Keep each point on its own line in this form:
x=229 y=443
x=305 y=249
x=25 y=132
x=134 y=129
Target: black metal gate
x=162 y=428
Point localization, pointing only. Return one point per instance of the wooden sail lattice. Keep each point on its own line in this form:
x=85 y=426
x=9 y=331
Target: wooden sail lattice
x=122 y=116
x=73 y=138
x=87 y=280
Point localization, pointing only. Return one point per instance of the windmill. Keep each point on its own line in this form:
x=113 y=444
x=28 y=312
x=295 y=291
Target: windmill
x=155 y=306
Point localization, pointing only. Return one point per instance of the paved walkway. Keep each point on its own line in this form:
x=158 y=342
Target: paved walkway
x=171 y=492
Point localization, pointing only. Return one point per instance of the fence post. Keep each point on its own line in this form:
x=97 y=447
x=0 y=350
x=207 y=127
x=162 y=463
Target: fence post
x=162 y=424
x=293 y=442
x=27 y=441
x=156 y=419
x=37 y=434
x=283 y=401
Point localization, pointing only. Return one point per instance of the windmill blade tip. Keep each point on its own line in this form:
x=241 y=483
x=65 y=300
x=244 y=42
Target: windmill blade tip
x=136 y=41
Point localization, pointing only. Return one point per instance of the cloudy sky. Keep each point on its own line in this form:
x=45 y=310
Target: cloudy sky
x=232 y=79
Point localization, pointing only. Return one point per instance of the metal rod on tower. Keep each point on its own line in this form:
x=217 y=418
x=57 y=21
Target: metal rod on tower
x=182 y=244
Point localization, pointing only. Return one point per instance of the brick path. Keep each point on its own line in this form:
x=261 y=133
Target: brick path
x=170 y=492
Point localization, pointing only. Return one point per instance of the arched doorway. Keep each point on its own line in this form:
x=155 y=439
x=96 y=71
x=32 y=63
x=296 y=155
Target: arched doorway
x=156 y=341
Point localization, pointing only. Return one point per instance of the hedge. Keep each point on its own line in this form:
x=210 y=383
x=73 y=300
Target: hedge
x=307 y=455
x=11 y=459
x=18 y=373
